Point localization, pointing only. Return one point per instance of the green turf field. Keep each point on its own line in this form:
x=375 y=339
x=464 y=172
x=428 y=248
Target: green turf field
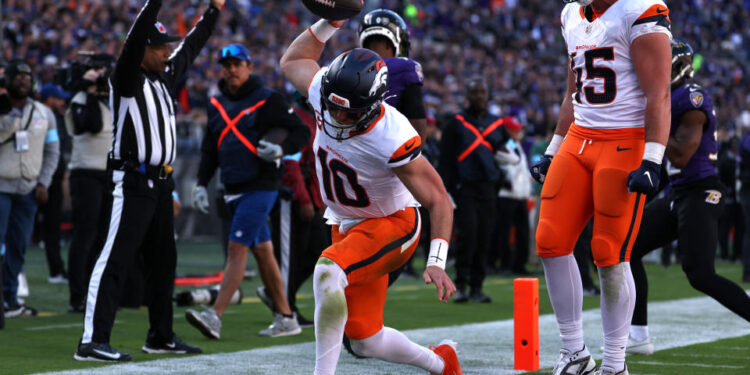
x=47 y=342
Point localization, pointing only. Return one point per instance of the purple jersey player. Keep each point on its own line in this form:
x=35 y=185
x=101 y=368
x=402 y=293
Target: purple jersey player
x=384 y=32
x=685 y=98
x=690 y=211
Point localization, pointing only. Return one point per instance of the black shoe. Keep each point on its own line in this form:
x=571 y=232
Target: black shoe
x=77 y=309
x=348 y=346
x=460 y=296
x=480 y=297
x=100 y=353
x=19 y=310
x=177 y=346
x=304 y=322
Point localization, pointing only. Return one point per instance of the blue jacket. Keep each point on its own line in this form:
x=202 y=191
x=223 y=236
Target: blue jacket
x=467 y=157
x=236 y=123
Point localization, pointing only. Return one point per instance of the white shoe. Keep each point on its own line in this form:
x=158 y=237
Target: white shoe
x=644 y=347
x=23 y=286
x=606 y=370
x=57 y=279
x=578 y=363
x=282 y=326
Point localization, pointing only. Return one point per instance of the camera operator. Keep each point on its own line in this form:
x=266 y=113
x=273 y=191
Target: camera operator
x=29 y=151
x=89 y=120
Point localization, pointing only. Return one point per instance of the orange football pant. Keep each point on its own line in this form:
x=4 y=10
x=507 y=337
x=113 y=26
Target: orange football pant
x=367 y=253
x=588 y=178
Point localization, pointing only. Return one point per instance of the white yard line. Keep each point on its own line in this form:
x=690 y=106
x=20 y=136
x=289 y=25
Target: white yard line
x=485 y=348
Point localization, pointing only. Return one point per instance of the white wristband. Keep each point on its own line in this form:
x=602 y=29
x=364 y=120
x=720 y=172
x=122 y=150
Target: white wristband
x=438 y=253
x=322 y=30
x=554 y=145
x=654 y=152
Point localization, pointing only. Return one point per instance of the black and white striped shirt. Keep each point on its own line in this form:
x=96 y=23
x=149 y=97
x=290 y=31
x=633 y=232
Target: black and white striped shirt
x=142 y=102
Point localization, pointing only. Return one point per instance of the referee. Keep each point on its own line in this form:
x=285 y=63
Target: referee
x=142 y=85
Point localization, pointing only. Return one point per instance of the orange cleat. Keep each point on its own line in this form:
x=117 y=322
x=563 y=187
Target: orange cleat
x=447 y=351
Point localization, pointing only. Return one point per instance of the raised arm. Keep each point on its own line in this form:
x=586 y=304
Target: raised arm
x=300 y=61
x=191 y=46
x=128 y=66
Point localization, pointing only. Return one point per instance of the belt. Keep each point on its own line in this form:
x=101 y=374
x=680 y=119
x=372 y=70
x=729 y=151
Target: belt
x=161 y=172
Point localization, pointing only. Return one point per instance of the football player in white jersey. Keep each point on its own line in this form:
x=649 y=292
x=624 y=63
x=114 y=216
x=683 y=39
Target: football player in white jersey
x=372 y=177
x=608 y=147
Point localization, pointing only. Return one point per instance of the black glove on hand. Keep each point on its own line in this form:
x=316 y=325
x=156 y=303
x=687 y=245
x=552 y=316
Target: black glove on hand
x=645 y=179
x=540 y=168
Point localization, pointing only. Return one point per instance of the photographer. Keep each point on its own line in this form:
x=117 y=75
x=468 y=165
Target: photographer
x=29 y=151
x=89 y=120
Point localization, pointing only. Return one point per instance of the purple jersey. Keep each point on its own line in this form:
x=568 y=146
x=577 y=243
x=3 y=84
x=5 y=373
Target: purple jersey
x=703 y=163
x=402 y=72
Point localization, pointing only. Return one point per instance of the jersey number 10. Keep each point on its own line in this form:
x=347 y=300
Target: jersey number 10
x=333 y=170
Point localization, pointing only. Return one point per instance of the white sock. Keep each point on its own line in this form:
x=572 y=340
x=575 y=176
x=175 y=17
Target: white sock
x=566 y=294
x=639 y=333
x=329 y=281
x=393 y=346
x=618 y=303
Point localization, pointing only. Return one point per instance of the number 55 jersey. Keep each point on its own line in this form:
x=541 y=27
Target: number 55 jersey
x=608 y=94
x=355 y=176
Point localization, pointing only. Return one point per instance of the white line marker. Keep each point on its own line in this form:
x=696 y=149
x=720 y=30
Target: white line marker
x=485 y=348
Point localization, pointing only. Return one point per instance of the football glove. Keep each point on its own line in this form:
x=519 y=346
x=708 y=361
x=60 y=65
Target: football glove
x=200 y=199
x=269 y=152
x=645 y=179
x=540 y=168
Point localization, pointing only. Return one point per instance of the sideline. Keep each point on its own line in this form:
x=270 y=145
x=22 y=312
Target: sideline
x=484 y=348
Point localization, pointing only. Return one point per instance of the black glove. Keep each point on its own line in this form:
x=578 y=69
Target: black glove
x=540 y=168
x=645 y=179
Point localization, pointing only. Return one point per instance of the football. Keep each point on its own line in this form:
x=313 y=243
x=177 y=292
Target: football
x=276 y=135
x=334 y=9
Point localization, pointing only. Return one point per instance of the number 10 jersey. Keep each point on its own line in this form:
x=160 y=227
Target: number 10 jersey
x=608 y=94
x=355 y=176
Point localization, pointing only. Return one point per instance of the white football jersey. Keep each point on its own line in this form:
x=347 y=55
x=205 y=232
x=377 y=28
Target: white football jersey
x=355 y=176
x=608 y=94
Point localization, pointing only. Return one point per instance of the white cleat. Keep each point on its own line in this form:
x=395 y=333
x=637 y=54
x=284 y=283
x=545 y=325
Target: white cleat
x=578 y=363
x=606 y=370
x=644 y=347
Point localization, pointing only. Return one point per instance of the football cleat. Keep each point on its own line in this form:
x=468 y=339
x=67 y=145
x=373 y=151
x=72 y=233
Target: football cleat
x=176 y=346
x=206 y=321
x=606 y=370
x=578 y=363
x=644 y=347
x=100 y=353
x=447 y=351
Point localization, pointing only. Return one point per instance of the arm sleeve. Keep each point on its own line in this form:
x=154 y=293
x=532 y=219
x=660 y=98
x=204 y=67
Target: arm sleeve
x=447 y=165
x=209 y=159
x=87 y=117
x=277 y=113
x=128 y=66
x=191 y=46
x=410 y=103
x=51 y=151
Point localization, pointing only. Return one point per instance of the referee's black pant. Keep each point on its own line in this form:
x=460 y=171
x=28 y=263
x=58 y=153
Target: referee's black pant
x=297 y=244
x=140 y=221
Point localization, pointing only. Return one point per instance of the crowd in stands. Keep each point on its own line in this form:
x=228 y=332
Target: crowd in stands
x=516 y=45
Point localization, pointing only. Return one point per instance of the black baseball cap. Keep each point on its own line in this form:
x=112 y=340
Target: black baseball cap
x=158 y=35
x=15 y=67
